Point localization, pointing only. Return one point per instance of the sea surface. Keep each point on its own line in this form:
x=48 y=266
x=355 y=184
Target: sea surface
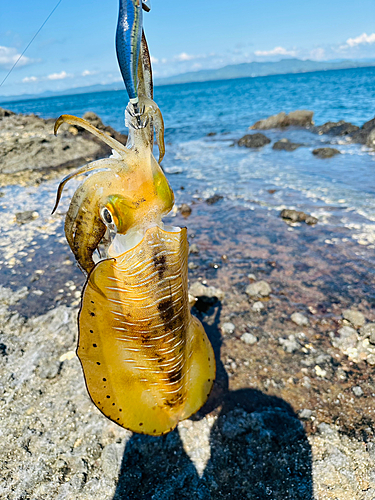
x=203 y=122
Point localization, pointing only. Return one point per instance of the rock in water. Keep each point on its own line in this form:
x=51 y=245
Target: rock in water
x=286 y=145
x=297 y=216
x=326 y=152
x=254 y=140
x=298 y=118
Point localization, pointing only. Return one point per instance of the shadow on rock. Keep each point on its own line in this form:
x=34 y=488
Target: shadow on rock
x=257 y=449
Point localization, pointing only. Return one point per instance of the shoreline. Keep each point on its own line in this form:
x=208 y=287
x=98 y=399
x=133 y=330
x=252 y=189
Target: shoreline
x=307 y=378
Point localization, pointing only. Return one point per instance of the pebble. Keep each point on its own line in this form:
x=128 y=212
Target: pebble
x=251 y=277
x=347 y=339
x=249 y=338
x=290 y=344
x=305 y=414
x=258 y=306
x=185 y=210
x=356 y=318
x=198 y=289
x=27 y=216
x=258 y=289
x=194 y=248
x=357 y=391
x=228 y=328
x=368 y=331
x=299 y=319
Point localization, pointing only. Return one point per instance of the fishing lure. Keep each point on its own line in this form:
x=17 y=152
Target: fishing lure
x=128 y=44
x=147 y=361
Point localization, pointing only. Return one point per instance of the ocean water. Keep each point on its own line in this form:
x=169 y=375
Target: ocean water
x=339 y=191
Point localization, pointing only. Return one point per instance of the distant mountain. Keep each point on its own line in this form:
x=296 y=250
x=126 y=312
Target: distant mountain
x=232 y=71
x=253 y=69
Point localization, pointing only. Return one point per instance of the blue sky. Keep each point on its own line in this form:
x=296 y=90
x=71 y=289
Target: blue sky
x=76 y=47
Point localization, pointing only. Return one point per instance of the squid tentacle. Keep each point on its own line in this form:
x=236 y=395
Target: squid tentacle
x=94 y=165
x=110 y=141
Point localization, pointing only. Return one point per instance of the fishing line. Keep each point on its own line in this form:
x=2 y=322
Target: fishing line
x=31 y=41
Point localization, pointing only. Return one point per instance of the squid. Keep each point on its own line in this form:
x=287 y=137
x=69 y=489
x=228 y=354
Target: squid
x=147 y=362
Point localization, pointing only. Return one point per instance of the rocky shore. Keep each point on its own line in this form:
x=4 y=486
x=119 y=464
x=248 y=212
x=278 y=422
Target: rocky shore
x=291 y=319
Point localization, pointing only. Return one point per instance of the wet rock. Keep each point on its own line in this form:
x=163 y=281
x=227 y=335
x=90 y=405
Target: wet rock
x=336 y=128
x=258 y=289
x=185 y=210
x=27 y=216
x=290 y=344
x=357 y=391
x=254 y=140
x=356 y=318
x=286 y=145
x=193 y=248
x=214 y=199
x=299 y=118
x=299 y=319
x=297 y=216
x=258 y=306
x=228 y=328
x=206 y=296
x=249 y=338
x=192 y=265
x=325 y=152
x=370 y=139
x=211 y=134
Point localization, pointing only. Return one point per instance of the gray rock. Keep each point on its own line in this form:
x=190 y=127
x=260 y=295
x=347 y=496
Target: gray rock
x=249 y=338
x=286 y=145
x=301 y=118
x=325 y=152
x=290 y=344
x=370 y=140
x=197 y=289
x=336 y=128
x=368 y=331
x=347 y=339
x=357 y=391
x=228 y=328
x=356 y=318
x=193 y=248
x=254 y=140
x=297 y=216
x=258 y=289
x=299 y=319
x=305 y=414
x=27 y=216
x=214 y=199
x=5 y=112
x=258 y=306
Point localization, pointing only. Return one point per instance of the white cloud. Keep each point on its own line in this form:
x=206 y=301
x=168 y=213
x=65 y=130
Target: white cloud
x=154 y=60
x=29 y=79
x=277 y=51
x=87 y=72
x=58 y=76
x=363 y=39
x=317 y=54
x=184 y=57
x=9 y=55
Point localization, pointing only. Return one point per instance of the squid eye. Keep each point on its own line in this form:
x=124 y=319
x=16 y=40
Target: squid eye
x=107 y=217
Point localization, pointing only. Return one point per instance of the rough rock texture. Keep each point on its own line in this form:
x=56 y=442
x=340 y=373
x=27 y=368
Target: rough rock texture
x=299 y=118
x=297 y=216
x=325 y=152
x=254 y=140
x=336 y=128
x=286 y=145
x=30 y=152
x=258 y=289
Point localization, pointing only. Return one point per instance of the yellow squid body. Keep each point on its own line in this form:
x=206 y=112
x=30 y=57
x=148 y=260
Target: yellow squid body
x=148 y=363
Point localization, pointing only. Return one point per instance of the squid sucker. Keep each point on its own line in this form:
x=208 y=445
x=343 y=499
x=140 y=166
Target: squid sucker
x=147 y=362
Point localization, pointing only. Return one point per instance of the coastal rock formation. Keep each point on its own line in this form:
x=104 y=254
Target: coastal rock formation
x=336 y=128
x=298 y=118
x=326 y=152
x=30 y=152
x=254 y=140
x=286 y=145
x=297 y=216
